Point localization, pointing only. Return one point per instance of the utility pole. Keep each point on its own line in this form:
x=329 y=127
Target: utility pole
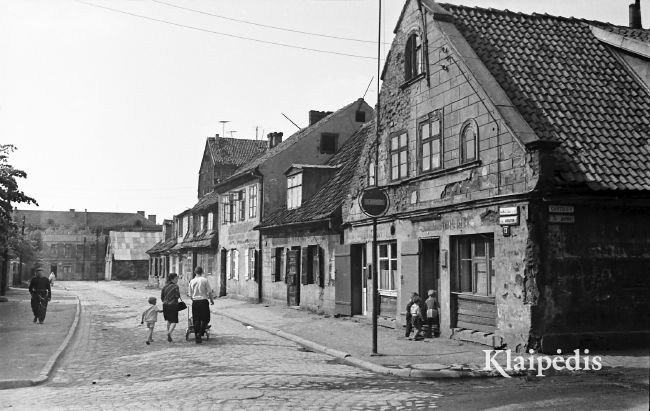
x=375 y=276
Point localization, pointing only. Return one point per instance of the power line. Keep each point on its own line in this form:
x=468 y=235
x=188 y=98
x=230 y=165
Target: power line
x=224 y=34
x=264 y=25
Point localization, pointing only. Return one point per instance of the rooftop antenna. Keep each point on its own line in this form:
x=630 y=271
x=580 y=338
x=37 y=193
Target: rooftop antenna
x=291 y=121
x=257 y=129
x=223 y=126
x=368 y=88
x=232 y=132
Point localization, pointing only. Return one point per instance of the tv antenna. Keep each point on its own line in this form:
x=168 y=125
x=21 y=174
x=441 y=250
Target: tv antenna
x=223 y=126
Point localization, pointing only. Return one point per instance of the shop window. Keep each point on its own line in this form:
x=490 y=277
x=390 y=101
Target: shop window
x=399 y=156
x=430 y=143
x=294 y=191
x=468 y=142
x=413 y=57
x=474 y=264
x=387 y=266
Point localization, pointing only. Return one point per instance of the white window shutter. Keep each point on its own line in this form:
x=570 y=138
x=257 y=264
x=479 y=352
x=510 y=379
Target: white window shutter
x=228 y=273
x=236 y=265
x=246 y=263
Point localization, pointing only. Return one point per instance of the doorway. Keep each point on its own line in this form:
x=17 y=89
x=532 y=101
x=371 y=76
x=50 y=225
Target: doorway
x=358 y=279
x=53 y=268
x=222 y=275
x=429 y=267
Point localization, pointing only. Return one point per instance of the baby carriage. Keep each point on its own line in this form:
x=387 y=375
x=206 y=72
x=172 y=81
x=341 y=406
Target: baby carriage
x=190 y=327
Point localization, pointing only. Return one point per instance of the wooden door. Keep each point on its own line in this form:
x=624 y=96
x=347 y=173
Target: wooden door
x=343 y=298
x=293 y=277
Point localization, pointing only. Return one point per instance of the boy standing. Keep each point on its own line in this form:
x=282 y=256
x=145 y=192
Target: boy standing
x=150 y=315
x=409 y=322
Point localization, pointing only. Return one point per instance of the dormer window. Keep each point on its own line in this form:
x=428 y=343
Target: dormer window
x=413 y=57
x=468 y=142
x=294 y=191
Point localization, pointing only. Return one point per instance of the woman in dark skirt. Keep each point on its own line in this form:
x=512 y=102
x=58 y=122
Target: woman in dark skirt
x=169 y=296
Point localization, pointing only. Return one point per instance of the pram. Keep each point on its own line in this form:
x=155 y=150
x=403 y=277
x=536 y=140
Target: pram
x=190 y=327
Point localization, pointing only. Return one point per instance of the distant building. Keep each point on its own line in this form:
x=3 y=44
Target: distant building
x=126 y=256
x=74 y=242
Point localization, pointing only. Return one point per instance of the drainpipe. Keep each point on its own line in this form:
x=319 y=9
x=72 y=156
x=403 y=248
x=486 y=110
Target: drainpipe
x=260 y=196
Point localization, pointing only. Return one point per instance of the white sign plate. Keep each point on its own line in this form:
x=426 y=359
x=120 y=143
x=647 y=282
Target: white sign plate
x=509 y=210
x=509 y=220
x=561 y=219
x=561 y=209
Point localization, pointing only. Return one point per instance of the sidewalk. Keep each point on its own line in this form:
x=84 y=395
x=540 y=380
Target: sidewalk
x=350 y=340
x=29 y=351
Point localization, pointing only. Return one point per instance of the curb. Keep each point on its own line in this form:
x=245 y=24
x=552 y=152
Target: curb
x=45 y=372
x=367 y=365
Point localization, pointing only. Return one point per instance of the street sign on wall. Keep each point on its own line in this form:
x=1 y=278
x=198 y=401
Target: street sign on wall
x=374 y=202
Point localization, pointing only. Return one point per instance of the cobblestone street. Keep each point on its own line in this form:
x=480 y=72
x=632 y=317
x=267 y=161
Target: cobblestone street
x=108 y=366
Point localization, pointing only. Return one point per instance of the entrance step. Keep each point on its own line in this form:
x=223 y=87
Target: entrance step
x=478 y=337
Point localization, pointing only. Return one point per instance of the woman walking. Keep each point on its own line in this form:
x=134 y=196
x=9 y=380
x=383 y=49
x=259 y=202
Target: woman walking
x=169 y=296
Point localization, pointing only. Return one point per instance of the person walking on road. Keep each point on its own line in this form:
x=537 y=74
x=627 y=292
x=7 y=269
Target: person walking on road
x=169 y=296
x=39 y=288
x=52 y=278
x=150 y=315
x=200 y=292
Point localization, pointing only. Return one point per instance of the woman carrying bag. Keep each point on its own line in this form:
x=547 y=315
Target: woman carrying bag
x=169 y=296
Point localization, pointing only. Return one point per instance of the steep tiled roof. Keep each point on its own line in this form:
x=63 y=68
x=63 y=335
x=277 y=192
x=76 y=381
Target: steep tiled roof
x=289 y=141
x=235 y=151
x=326 y=202
x=130 y=246
x=571 y=89
x=206 y=202
x=42 y=219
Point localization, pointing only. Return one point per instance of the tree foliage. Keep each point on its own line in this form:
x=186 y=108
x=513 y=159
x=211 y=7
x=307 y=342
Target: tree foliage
x=10 y=194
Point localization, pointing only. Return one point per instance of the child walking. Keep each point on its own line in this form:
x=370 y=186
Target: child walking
x=433 y=319
x=150 y=315
x=417 y=318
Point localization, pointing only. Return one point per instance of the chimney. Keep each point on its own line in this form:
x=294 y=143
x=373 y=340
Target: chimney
x=216 y=135
x=635 y=15
x=316 y=116
x=274 y=138
x=141 y=213
x=73 y=213
x=152 y=218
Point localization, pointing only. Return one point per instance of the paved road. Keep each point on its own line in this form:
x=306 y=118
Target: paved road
x=108 y=366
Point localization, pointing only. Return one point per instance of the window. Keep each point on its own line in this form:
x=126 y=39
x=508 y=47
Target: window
x=80 y=268
x=474 y=264
x=80 y=251
x=252 y=201
x=68 y=250
x=399 y=156
x=234 y=259
x=430 y=143
x=251 y=268
x=210 y=221
x=413 y=64
x=294 y=191
x=226 y=209
x=242 y=205
x=228 y=264
x=328 y=143
x=276 y=264
x=53 y=250
x=67 y=269
x=468 y=139
x=312 y=270
x=360 y=116
x=180 y=227
x=371 y=174
x=387 y=266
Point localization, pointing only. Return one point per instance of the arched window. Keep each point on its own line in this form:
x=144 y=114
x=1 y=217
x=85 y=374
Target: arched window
x=413 y=57
x=468 y=142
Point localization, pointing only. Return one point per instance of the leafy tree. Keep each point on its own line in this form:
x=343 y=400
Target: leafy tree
x=9 y=195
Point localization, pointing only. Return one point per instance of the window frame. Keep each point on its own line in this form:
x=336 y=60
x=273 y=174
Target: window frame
x=252 y=201
x=293 y=203
x=467 y=282
x=413 y=57
x=334 y=137
x=392 y=267
x=431 y=118
x=398 y=152
x=372 y=174
x=468 y=125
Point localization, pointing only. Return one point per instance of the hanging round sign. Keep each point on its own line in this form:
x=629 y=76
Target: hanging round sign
x=374 y=202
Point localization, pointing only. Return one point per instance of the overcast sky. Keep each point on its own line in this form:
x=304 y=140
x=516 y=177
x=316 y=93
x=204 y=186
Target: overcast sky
x=110 y=109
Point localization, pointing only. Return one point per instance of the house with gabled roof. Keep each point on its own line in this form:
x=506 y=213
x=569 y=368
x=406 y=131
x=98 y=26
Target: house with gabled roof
x=300 y=237
x=193 y=236
x=514 y=151
x=258 y=188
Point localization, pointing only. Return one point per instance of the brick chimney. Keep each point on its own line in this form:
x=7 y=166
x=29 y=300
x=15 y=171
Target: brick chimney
x=274 y=139
x=316 y=116
x=635 y=15
x=152 y=218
